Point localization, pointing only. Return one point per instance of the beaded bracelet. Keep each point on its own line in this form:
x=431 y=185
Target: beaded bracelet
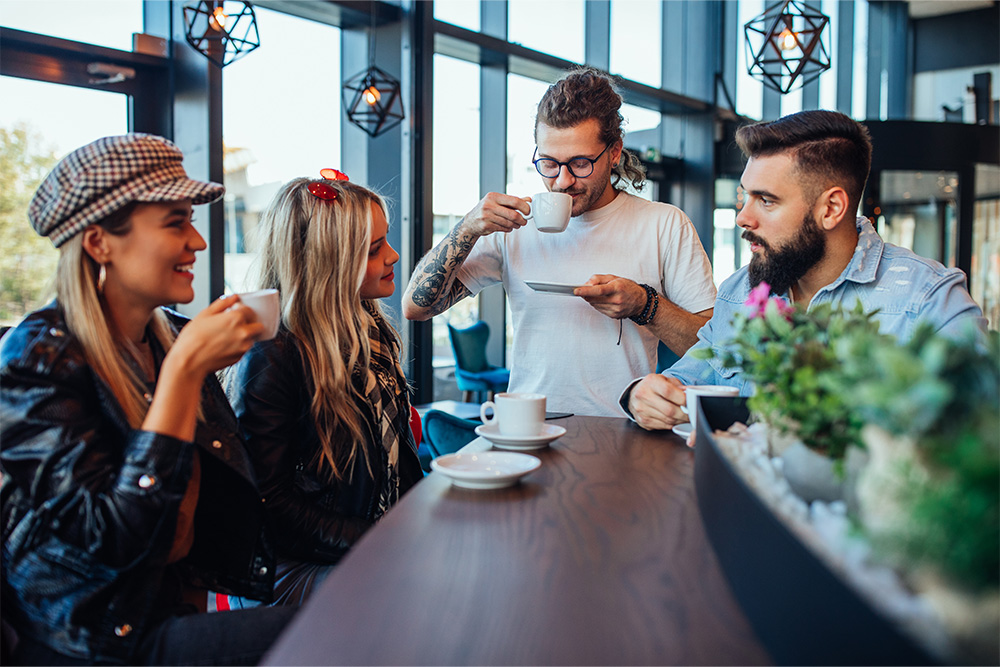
x=649 y=312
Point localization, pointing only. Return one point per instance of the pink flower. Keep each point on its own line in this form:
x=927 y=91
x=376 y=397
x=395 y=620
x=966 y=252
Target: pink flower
x=760 y=297
x=757 y=299
x=784 y=307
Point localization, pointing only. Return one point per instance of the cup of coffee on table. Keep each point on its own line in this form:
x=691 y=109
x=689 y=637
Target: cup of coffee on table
x=266 y=305
x=693 y=391
x=516 y=414
x=551 y=211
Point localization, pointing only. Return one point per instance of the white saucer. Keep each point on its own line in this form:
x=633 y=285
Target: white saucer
x=552 y=288
x=485 y=470
x=520 y=442
x=683 y=430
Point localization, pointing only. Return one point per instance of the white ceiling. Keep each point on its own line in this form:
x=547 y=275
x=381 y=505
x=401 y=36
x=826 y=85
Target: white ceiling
x=924 y=8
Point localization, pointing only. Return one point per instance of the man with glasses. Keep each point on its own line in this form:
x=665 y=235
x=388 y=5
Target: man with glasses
x=640 y=273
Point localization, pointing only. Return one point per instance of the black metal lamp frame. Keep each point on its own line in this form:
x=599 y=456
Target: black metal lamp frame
x=217 y=42
x=785 y=47
x=373 y=99
x=376 y=102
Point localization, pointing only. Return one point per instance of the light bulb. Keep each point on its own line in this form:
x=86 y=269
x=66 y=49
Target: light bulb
x=372 y=95
x=787 y=40
x=218 y=20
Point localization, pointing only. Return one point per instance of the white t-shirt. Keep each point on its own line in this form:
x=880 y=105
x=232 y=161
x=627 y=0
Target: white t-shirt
x=563 y=347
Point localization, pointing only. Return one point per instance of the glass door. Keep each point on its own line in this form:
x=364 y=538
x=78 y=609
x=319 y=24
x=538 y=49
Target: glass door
x=919 y=211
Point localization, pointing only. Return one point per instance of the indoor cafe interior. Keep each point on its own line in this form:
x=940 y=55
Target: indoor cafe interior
x=432 y=103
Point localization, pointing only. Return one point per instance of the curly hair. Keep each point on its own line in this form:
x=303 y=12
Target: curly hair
x=584 y=93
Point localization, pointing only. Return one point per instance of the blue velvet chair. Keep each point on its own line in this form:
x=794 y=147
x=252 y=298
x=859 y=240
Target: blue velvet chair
x=445 y=433
x=472 y=372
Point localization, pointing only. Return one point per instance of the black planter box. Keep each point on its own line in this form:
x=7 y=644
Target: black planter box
x=801 y=610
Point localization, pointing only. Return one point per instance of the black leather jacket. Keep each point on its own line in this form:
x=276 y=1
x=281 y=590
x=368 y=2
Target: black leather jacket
x=314 y=519
x=89 y=505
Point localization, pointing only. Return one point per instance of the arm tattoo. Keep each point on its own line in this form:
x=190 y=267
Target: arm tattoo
x=433 y=285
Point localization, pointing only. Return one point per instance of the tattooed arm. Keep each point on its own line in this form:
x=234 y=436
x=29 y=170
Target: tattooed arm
x=433 y=287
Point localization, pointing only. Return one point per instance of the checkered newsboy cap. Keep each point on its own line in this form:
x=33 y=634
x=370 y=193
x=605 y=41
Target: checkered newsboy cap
x=100 y=178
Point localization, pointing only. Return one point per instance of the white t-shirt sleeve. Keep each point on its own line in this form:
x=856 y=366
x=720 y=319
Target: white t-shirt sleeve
x=687 y=273
x=484 y=265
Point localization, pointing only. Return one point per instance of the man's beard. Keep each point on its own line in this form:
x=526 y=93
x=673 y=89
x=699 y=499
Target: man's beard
x=783 y=267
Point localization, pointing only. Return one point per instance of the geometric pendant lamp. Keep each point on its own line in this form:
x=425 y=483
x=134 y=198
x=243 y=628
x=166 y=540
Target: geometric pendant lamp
x=221 y=30
x=785 y=46
x=373 y=99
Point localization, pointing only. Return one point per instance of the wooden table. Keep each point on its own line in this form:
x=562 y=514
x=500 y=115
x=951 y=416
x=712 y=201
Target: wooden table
x=597 y=557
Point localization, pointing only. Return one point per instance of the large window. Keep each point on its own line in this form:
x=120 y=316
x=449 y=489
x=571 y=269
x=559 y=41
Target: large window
x=463 y=13
x=636 y=40
x=549 y=26
x=34 y=135
x=642 y=135
x=456 y=187
x=103 y=22
x=749 y=93
x=984 y=277
x=281 y=120
x=522 y=101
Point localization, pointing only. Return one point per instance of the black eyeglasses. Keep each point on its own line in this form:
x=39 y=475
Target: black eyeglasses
x=579 y=167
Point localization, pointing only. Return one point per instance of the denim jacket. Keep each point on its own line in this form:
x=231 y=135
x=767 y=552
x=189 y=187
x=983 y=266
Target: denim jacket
x=90 y=505
x=906 y=289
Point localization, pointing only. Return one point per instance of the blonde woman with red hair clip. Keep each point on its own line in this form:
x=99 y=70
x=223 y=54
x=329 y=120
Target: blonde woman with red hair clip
x=324 y=405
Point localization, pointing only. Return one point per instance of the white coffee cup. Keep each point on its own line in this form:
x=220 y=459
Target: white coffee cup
x=516 y=414
x=693 y=391
x=551 y=211
x=266 y=305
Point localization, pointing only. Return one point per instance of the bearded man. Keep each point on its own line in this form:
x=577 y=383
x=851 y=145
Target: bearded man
x=803 y=180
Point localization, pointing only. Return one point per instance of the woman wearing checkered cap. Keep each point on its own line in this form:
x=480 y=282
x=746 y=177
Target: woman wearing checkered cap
x=127 y=492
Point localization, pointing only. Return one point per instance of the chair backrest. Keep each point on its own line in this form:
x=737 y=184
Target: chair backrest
x=469 y=346
x=444 y=433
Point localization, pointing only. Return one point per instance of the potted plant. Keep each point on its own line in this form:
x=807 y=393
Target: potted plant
x=929 y=500
x=801 y=384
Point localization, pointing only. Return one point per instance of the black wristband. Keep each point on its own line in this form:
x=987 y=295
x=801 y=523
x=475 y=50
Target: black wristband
x=649 y=312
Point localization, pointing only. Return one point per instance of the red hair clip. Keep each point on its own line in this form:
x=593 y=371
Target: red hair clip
x=333 y=174
x=322 y=189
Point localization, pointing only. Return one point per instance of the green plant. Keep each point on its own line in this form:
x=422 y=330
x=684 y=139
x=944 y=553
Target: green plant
x=791 y=357
x=943 y=396
x=28 y=261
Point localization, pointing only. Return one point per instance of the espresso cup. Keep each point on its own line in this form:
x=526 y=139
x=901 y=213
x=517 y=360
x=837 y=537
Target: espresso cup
x=266 y=305
x=551 y=211
x=693 y=391
x=516 y=414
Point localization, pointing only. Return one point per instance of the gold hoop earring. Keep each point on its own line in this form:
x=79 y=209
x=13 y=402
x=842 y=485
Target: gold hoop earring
x=102 y=275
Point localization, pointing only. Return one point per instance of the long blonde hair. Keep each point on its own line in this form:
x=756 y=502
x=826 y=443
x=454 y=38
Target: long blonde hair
x=315 y=252
x=86 y=318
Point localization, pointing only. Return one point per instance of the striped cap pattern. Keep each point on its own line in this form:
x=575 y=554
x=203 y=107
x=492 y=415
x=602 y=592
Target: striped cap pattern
x=100 y=178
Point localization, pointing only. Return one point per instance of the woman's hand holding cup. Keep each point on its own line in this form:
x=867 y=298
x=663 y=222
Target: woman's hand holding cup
x=216 y=337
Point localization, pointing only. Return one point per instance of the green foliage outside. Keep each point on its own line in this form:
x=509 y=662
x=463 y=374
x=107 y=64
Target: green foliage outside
x=27 y=261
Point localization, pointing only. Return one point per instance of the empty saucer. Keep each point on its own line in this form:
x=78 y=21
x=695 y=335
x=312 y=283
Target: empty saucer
x=485 y=470
x=520 y=442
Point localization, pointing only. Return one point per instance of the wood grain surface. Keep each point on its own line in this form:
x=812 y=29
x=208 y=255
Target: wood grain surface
x=599 y=557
